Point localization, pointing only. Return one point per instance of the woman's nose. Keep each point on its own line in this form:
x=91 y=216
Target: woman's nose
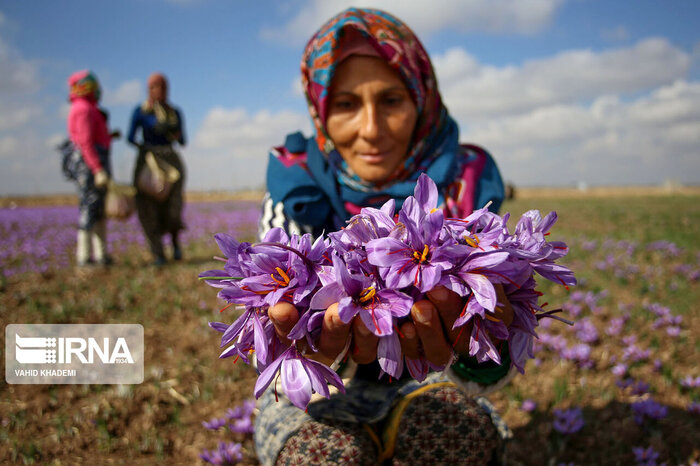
x=370 y=126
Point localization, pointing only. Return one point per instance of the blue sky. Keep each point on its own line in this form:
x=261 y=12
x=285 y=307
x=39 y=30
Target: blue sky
x=560 y=91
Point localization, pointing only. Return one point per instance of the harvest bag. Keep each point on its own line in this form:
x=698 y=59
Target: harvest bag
x=157 y=178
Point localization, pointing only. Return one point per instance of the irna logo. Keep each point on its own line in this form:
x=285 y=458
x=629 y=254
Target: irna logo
x=66 y=350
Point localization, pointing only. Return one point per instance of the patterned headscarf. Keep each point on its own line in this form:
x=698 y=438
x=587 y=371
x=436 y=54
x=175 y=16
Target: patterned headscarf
x=84 y=84
x=403 y=52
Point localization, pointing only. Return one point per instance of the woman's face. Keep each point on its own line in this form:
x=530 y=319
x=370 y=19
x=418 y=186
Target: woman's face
x=371 y=117
x=157 y=91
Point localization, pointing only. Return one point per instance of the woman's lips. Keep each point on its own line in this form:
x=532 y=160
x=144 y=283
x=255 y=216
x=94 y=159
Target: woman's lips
x=373 y=157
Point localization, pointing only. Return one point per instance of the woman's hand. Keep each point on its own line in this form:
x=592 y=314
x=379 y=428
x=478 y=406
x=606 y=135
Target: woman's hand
x=431 y=334
x=334 y=334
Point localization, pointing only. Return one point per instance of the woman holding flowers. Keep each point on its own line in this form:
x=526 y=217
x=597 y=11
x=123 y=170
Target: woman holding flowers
x=379 y=124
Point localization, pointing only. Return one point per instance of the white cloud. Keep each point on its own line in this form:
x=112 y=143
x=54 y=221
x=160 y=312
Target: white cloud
x=15 y=116
x=513 y=16
x=19 y=75
x=647 y=140
x=28 y=166
x=617 y=34
x=128 y=93
x=229 y=150
x=474 y=91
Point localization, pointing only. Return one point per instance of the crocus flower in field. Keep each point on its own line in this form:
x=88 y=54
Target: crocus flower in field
x=580 y=353
x=568 y=421
x=639 y=387
x=528 y=406
x=619 y=370
x=226 y=454
x=586 y=331
x=242 y=411
x=648 y=408
x=645 y=456
x=690 y=382
x=215 y=423
x=242 y=426
x=615 y=326
x=694 y=407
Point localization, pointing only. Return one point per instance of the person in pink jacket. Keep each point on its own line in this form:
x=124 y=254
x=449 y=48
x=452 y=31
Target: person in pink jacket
x=87 y=130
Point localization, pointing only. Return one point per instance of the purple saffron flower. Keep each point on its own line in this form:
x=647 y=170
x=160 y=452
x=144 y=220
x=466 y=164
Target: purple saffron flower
x=242 y=411
x=359 y=294
x=580 y=353
x=648 y=408
x=226 y=454
x=277 y=269
x=528 y=406
x=639 y=388
x=619 y=370
x=419 y=256
x=568 y=421
x=242 y=426
x=634 y=353
x=586 y=331
x=689 y=382
x=300 y=377
x=215 y=423
x=615 y=327
x=376 y=267
x=645 y=456
x=694 y=407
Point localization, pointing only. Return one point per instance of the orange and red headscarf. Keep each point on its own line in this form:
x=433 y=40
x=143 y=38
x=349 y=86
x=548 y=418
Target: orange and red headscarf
x=84 y=84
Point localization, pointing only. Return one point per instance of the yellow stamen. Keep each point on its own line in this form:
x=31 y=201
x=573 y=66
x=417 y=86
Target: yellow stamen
x=434 y=210
x=492 y=318
x=367 y=294
x=421 y=257
x=473 y=242
x=285 y=277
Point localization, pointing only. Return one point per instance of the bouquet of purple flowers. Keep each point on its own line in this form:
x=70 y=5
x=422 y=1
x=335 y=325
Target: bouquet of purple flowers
x=376 y=268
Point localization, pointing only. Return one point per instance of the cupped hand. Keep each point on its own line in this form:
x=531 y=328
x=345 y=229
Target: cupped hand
x=430 y=332
x=334 y=334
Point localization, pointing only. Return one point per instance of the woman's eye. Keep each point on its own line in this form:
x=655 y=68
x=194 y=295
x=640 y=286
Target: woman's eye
x=342 y=104
x=393 y=99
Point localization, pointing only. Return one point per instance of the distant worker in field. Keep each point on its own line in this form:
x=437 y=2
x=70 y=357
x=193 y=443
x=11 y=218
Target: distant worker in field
x=88 y=164
x=159 y=173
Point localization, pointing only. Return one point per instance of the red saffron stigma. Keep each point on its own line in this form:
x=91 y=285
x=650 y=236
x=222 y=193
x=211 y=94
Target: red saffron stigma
x=459 y=335
x=562 y=282
x=226 y=307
